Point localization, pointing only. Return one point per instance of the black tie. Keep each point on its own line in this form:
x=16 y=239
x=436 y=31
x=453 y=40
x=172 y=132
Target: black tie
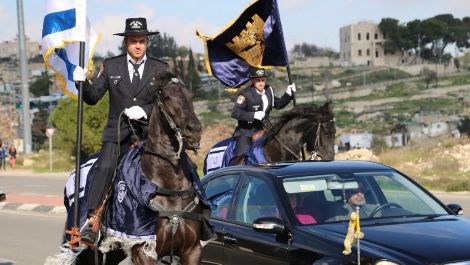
x=136 y=76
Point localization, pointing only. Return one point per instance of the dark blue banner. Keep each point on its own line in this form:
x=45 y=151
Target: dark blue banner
x=254 y=39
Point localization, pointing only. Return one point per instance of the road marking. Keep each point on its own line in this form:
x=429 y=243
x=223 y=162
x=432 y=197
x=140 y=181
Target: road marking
x=6 y=261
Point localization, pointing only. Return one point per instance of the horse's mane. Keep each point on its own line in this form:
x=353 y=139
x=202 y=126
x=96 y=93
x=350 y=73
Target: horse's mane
x=162 y=79
x=311 y=112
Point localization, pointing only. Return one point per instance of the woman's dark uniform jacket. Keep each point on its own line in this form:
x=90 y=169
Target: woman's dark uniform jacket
x=248 y=102
x=114 y=76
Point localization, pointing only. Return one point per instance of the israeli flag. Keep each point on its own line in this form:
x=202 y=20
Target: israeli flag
x=65 y=26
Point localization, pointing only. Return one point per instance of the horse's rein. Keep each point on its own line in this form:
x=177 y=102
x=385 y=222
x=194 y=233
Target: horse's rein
x=173 y=126
x=314 y=153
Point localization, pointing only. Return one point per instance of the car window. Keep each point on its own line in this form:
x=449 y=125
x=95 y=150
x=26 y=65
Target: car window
x=219 y=192
x=333 y=197
x=256 y=200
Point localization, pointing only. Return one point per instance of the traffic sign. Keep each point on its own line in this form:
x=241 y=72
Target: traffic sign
x=50 y=131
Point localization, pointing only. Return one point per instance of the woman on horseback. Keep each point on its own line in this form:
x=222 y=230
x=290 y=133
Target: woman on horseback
x=253 y=104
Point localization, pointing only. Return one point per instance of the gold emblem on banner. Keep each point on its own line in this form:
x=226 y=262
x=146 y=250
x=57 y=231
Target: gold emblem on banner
x=249 y=44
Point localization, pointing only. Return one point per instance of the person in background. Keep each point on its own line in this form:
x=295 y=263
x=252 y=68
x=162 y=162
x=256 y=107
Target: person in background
x=253 y=104
x=301 y=213
x=12 y=154
x=3 y=155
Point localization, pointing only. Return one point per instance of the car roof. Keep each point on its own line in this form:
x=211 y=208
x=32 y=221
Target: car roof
x=307 y=167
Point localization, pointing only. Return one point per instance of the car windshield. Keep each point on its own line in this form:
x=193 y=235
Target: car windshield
x=383 y=194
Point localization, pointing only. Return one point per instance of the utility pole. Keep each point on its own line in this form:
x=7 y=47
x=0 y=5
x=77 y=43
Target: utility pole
x=27 y=138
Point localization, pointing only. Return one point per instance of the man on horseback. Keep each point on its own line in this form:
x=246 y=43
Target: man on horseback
x=127 y=77
x=253 y=104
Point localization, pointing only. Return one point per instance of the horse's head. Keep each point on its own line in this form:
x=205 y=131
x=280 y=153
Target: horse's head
x=306 y=124
x=320 y=138
x=174 y=107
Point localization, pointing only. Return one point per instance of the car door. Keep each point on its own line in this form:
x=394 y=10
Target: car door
x=243 y=245
x=219 y=191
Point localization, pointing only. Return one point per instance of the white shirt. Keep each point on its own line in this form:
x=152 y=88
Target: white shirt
x=130 y=66
x=264 y=98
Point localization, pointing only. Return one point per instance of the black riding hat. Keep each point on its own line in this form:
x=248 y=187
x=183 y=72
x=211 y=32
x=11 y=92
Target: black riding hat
x=258 y=72
x=136 y=26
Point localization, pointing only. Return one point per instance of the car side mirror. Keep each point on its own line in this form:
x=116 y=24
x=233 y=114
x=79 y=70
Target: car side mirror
x=456 y=208
x=271 y=225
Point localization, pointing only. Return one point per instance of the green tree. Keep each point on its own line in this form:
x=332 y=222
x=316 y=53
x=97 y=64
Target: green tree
x=428 y=75
x=464 y=126
x=64 y=118
x=40 y=87
x=398 y=36
x=192 y=78
x=38 y=128
x=8 y=118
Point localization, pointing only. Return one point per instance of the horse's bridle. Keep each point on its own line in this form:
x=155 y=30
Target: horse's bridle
x=173 y=126
x=314 y=153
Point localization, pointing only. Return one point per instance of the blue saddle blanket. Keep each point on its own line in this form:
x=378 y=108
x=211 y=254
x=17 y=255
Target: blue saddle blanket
x=220 y=154
x=129 y=215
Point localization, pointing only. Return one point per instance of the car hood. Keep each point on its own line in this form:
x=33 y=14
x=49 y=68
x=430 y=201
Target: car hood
x=435 y=240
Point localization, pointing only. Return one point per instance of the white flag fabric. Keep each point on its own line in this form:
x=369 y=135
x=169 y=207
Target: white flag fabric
x=65 y=25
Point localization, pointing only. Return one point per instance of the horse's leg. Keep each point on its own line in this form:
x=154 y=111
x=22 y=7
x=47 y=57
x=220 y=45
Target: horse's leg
x=139 y=257
x=192 y=255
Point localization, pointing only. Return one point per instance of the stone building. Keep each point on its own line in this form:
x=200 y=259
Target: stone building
x=362 y=44
x=11 y=48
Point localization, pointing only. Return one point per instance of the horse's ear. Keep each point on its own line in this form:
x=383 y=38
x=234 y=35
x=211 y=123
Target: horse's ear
x=179 y=73
x=328 y=106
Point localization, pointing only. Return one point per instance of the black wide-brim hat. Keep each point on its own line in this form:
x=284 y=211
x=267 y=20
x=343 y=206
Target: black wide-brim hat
x=258 y=72
x=136 y=26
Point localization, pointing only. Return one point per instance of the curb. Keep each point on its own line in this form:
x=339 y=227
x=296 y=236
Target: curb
x=32 y=208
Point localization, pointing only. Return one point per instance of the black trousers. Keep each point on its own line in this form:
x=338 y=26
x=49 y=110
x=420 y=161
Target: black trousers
x=104 y=172
x=242 y=143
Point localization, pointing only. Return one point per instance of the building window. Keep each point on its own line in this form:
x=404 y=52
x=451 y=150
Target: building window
x=344 y=55
x=358 y=36
x=349 y=55
x=376 y=53
x=368 y=52
x=385 y=35
x=367 y=36
x=376 y=36
x=359 y=52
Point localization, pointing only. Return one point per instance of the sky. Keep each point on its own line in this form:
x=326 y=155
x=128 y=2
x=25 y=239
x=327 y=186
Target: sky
x=303 y=21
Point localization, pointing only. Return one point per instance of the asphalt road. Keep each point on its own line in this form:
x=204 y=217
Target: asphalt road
x=28 y=238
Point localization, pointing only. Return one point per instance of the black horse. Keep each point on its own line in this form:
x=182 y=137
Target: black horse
x=175 y=204
x=305 y=127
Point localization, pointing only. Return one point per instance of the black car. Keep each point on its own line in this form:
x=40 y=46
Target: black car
x=402 y=222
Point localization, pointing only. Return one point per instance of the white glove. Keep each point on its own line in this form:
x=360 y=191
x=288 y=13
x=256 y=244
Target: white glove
x=290 y=88
x=135 y=113
x=259 y=115
x=79 y=74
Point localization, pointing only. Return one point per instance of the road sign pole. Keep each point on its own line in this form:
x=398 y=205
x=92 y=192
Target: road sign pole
x=50 y=153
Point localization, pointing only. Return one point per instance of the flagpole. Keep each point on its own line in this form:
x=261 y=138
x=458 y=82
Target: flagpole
x=81 y=63
x=289 y=77
x=76 y=211
x=358 y=237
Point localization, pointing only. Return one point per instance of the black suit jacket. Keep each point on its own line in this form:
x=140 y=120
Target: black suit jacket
x=115 y=78
x=248 y=102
